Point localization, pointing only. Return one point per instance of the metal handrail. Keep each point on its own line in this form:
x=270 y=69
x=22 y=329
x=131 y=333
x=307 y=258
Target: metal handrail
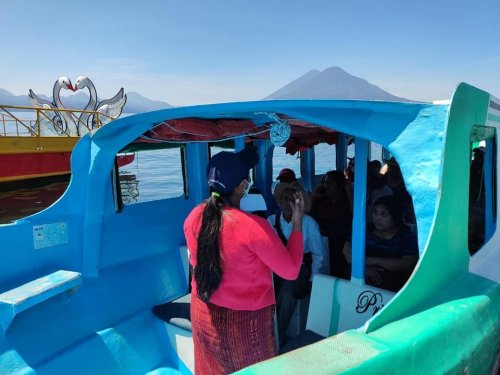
x=33 y=126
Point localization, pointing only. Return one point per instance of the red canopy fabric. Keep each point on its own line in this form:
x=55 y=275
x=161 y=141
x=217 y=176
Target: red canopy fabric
x=304 y=135
x=195 y=129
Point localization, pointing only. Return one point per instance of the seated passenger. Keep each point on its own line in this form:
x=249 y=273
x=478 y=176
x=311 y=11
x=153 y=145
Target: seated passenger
x=287 y=176
x=349 y=170
x=476 y=201
x=330 y=207
x=394 y=179
x=476 y=229
x=476 y=181
x=349 y=181
x=289 y=291
x=375 y=187
x=375 y=166
x=391 y=247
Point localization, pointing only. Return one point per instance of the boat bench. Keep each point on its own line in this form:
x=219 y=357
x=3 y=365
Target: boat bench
x=176 y=322
x=175 y=319
x=132 y=346
x=337 y=305
x=17 y=300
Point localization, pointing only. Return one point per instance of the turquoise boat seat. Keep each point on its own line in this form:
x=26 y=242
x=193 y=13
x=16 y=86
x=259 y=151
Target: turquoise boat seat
x=134 y=346
x=174 y=319
x=337 y=305
x=17 y=300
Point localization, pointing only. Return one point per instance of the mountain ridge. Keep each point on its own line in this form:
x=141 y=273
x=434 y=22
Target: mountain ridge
x=332 y=83
x=136 y=102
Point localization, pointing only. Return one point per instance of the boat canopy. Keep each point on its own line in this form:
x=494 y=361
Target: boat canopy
x=187 y=130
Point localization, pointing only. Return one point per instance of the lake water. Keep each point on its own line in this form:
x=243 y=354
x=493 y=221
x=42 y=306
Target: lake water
x=157 y=174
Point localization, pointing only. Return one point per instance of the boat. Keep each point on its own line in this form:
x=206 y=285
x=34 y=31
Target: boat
x=92 y=285
x=36 y=142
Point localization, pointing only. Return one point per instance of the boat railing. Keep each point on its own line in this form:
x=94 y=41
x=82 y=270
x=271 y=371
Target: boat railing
x=21 y=121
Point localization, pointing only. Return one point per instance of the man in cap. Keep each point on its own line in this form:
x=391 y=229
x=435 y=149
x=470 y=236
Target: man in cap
x=315 y=255
x=286 y=175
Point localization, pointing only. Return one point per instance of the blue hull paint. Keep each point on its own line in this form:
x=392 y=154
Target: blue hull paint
x=128 y=262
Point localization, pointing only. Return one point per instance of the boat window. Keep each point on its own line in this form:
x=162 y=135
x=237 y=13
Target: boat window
x=215 y=148
x=351 y=147
x=376 y=152
x=482 y=187
x=151 y=175
x=324 y=155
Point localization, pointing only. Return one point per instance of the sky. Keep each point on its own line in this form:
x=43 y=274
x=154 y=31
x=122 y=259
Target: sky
x=189 y=52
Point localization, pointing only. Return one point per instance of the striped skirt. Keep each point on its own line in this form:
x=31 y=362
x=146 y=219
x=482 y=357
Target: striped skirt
x=228 y=340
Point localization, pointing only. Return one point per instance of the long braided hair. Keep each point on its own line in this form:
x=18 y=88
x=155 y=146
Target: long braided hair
x=208 y=270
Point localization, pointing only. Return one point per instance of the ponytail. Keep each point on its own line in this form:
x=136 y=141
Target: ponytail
x=208 y=271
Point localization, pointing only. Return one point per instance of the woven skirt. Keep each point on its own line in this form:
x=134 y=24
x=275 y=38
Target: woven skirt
x=228 y=340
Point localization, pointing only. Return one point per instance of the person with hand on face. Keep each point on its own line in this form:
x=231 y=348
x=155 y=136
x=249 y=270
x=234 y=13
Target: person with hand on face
x=233 y=255
x=288 y=176
x=391 y=248
x=315 y=255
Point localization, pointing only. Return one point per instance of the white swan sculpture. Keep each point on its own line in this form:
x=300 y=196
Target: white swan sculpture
x=109 y=108
x=58 y=122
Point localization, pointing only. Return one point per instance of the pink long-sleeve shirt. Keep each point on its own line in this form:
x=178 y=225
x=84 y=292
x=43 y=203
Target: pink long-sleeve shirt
x=250 y=251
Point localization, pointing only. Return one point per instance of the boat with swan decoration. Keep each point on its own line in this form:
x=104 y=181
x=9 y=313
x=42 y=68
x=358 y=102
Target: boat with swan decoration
x=42 y=145
x=109 y=108
x=59 y=122
x=93 y=285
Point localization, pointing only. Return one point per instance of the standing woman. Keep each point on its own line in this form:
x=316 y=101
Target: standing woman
x=233 y=254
